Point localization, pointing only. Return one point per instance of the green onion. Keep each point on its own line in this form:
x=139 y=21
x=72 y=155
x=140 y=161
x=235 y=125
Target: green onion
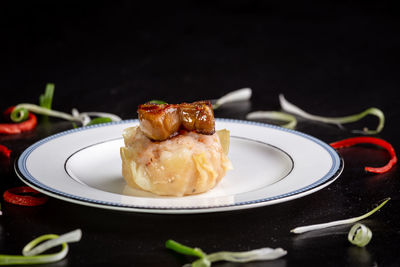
x=99 y=120
x=206 y=260
x=261 y=254
x=182 y=249
x=237 y=95
x=203 y=262
x=32 y=250
x=46 y=99
x=44 y=108
x=49 y=112
x=19 y=114
x=291 y=108
x=359 y=235
x=290 y=120
x=83 y=117
x=157 y=102
x=303 y=229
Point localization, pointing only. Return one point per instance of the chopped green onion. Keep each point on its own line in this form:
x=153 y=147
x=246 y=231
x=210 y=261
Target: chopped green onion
x=99 y=120
x=237 y=95
x=290 y=120
x=46 y=99
x=291 y=108
x=157 y=102
x=359 y=235
x=303 y=229
x=32 y=252
x=206 y=260
x=19 y=114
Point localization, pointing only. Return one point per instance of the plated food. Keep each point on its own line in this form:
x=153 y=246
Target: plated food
x=175 y=151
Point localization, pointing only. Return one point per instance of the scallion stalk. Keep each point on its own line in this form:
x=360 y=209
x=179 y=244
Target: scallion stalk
x=290 y=120
x=237 y=95
x=293 y=109
x=99 y=120
x=182 y=249
x=261 y=254
x=303 y=229
x=83 y=117
x=46 y=99
x=49 y=112
x=205 y=260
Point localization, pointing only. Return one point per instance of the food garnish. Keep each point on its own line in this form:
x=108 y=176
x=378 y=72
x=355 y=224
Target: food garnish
x=290 y=120
x=156 y=102
x=370 y=140
x=234 y=96
x=19 y=196
x=237 y=95
x=99 y=120
x=4 y=152
x=22 y=113
x=359 y=235
x=291 y=108
x=31 y=253
x=16 y=128
x=206 y=260
x=303 y=229
x=46 y=99
x=19 y=114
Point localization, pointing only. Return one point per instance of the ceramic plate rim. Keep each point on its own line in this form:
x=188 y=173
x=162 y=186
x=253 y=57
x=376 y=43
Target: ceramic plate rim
x=328 y=178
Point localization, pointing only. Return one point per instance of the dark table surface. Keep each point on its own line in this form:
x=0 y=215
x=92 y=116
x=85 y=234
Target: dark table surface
x=331 y=59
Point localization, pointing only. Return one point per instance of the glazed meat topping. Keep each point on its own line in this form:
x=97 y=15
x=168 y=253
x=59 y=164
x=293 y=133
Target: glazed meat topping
x=162 y=121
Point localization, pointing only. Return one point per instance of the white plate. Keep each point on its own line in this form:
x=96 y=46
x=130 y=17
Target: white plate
x=271 y=165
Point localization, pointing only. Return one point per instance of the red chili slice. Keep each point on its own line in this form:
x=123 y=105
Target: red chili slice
x=16 y=196
x=370 y=140
x=16 y=128
x=4 y=151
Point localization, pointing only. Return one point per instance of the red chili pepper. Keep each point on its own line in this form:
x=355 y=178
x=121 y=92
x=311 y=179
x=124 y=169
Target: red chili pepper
x=4 y=151
x=16 y=128
x=374 y=141
x=15 y=196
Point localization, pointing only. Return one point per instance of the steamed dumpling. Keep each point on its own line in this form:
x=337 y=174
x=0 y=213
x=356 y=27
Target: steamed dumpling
x=188 y=163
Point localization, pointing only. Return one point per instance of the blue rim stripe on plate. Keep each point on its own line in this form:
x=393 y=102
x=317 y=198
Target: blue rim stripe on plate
x=23 y=173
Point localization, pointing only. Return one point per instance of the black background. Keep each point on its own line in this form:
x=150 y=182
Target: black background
x=332 y=59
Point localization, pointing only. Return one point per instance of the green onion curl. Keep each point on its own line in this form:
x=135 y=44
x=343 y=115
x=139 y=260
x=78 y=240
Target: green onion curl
x=359 y=235
x=19 y=114
x=31 y=252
